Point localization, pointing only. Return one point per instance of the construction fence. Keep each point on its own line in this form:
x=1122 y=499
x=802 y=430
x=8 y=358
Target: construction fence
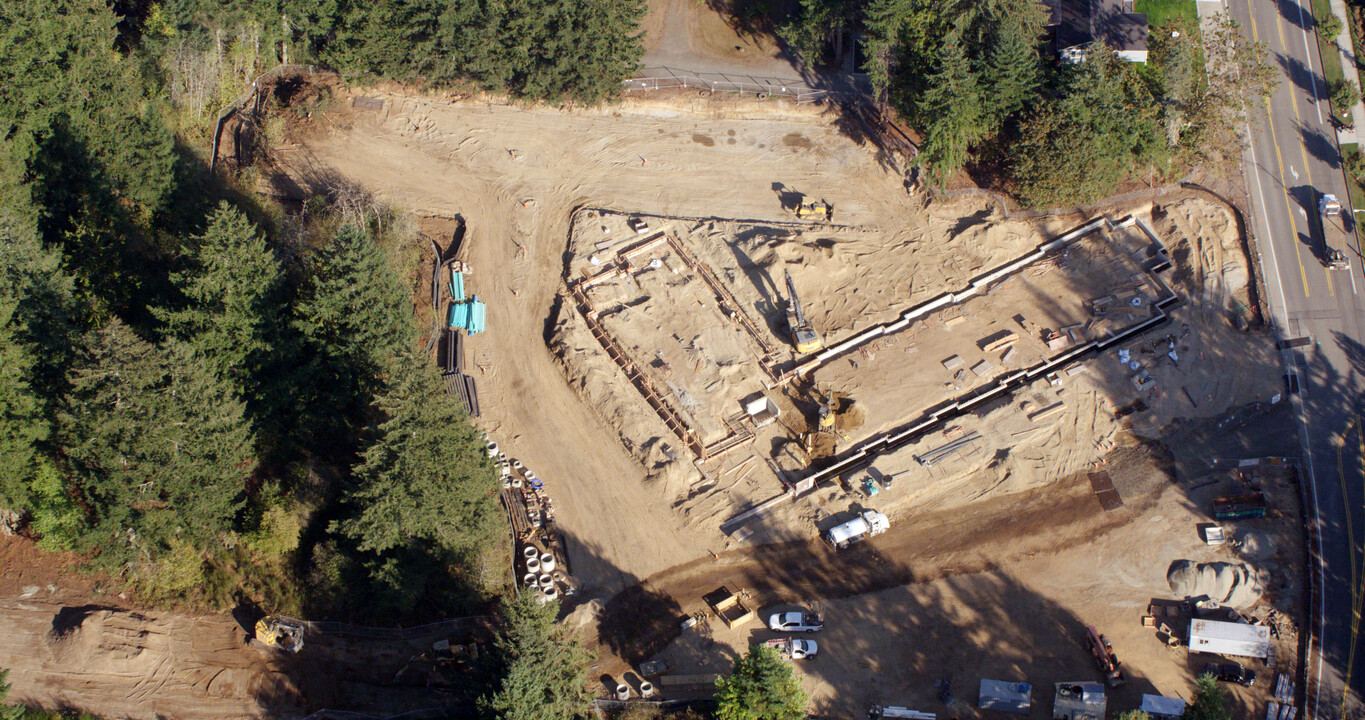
x=667 y=78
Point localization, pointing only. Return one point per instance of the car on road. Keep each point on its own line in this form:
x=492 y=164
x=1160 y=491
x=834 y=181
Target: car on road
x=1231 y=672
x=797 y=621
x=1336 y=260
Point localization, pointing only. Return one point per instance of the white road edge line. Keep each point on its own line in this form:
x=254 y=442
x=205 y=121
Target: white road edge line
x=1303 y=421
x=1303 y=28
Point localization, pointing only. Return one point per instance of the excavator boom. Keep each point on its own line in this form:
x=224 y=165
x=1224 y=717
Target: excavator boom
x=803 y=335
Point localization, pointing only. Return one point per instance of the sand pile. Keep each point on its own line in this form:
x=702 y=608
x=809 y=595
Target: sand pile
x=1225 y=583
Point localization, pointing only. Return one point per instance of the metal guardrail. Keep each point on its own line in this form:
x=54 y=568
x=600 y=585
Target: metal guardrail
x=665 y=78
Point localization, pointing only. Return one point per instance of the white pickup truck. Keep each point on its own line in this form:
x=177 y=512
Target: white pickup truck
x=796 y=621
x=794 y=649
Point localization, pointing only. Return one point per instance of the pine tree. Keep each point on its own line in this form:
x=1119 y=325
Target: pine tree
x=155 y=444
x=35 y=346
x=761 y=686
x=953 y=101
x=1211 y=701
x=1012 y=70
x=232 y=311
x=426 y=476
x=546 y=664
x=354 y=315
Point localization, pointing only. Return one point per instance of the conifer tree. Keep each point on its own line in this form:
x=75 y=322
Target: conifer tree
x=546 y=664
x=354 y=315
x=954 y=103
x=426 y=476
x=155 y=444
x=35 y=347
x=1012 y=69
x=231 y=316
x=761 y=686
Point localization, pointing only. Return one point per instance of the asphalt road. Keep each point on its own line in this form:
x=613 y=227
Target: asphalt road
x=1292 y=162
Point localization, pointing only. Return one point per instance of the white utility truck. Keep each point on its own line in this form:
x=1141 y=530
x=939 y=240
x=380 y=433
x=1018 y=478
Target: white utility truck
x=867 y=524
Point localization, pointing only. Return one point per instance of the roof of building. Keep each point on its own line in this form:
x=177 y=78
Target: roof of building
x=1080 y=22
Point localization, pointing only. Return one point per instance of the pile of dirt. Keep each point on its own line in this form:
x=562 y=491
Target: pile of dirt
x=1225 y=583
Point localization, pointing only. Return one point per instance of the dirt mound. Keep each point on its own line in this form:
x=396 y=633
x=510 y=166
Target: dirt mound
x=1225 y=583
x=101 y=638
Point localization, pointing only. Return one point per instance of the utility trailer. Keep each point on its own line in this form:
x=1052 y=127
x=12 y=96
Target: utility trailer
x=877 y=712
x=728 y=606
x=1240 y=506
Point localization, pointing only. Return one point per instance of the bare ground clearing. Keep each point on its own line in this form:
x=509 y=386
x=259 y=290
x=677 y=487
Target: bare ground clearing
x=996 y=556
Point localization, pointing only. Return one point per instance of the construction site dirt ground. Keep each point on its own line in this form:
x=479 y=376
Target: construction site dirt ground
x=997 y=558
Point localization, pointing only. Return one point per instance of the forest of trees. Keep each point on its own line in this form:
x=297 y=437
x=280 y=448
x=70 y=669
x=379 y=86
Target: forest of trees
x=976 y=79
x=208 y=397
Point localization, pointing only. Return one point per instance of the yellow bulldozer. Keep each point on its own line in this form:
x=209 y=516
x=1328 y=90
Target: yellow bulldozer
x=280 y=632
x=814 y=211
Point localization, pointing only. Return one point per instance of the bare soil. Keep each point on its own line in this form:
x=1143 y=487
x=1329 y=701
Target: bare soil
x=996 y=560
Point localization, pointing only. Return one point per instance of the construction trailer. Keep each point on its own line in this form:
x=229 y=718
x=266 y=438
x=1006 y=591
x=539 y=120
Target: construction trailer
x=1229 y=638
x=1079 y=701
x=869 y=523
x=1161 y=707
x=1011 y=697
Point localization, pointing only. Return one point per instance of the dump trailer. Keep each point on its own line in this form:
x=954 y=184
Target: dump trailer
x=869 y=523
x=1334 y=235
x=804 y=336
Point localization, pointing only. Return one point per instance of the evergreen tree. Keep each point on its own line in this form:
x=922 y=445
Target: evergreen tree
x=953 y=101
x=1211 y=701
x=232 y=289
x=58 y=64
x=546 y=664
x=1012 y=70
x=35 y=346
x=760 y=687
x=902 y=40
x=83 y=124
x=426 y=476
x=155 y=445
x=354 y=315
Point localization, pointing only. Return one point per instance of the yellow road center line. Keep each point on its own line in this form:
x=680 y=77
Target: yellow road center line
x=1308 y=171
x=1298 y=255
x=1288 y=206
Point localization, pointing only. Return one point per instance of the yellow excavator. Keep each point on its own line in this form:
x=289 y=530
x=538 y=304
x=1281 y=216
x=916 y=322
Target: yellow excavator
x=280 y=632
x=804 y=336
